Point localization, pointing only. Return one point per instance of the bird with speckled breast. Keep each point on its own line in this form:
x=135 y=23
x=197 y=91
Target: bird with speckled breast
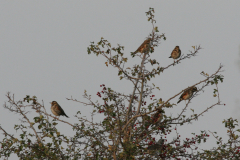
x=176 y=53
x=144 y=47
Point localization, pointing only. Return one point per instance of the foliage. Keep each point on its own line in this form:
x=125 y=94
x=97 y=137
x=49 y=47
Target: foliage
x=134 y=125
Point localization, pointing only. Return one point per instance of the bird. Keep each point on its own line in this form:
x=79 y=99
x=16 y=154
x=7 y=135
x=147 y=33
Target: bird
x=57 y=109
x=157 y=117
x=144 y=47
x=187 y=94
x=157 y=146
x=176 y=53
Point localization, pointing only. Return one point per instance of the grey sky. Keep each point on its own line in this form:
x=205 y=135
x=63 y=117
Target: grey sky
x=43 y=52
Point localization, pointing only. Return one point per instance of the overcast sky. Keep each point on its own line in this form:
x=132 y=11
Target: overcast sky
x=43 y=52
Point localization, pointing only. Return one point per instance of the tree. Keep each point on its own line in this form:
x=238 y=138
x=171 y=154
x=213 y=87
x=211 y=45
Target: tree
x=135 y=125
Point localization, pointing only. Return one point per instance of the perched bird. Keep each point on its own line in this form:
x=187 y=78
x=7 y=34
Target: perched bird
x=187 y=94
x=176 y=53
x=157 y=117
x=157 y=146
x=144 y=47
x=57 y=109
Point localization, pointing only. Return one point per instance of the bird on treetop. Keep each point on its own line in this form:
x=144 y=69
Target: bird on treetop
x=57 y=109
x=144 y=47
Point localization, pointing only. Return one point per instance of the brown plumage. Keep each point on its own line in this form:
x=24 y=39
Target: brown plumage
x=57 y=110
x=144 y=47
x=157 y=117
x=176 y=53
x=187 y=94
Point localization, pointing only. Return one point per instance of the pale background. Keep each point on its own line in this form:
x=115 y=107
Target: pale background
x=43 y=52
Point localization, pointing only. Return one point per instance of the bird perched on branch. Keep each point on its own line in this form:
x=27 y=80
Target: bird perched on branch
x=157 y=146
x=176 y=53
x=144 y=47
x=157 y=117
x=187 y=94
x=57 y=109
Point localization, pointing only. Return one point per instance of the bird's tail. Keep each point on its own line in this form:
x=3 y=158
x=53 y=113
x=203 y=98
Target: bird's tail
x=133 y=53
x=179 y=101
